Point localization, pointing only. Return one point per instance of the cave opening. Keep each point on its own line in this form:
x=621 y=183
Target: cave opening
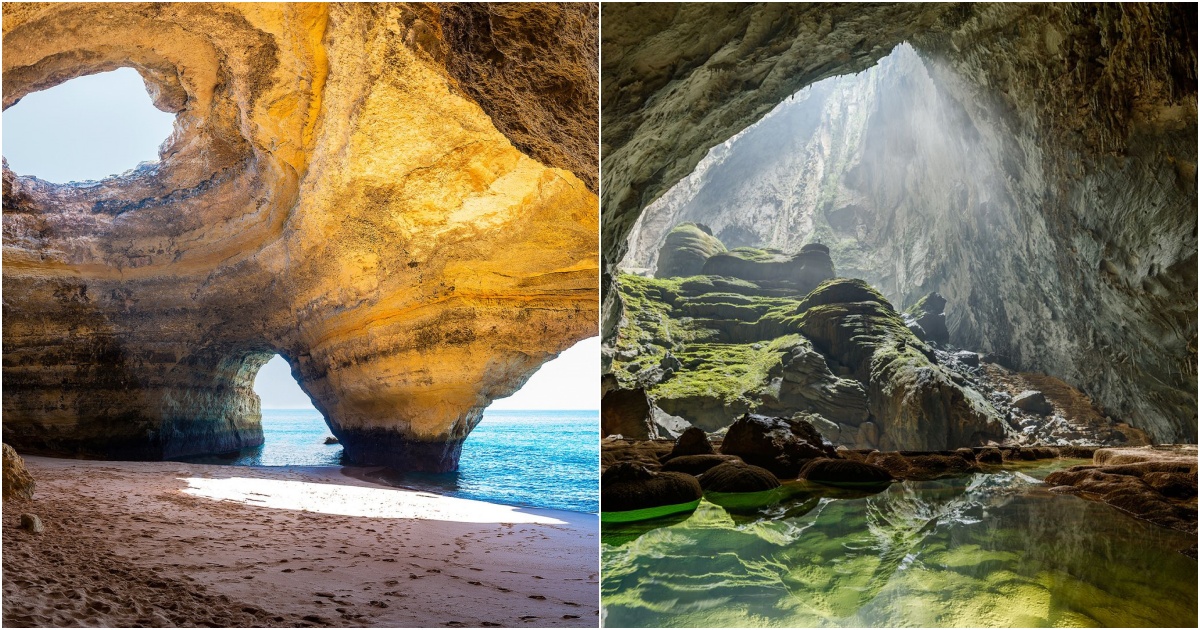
x=86 y=129
x=548 y=425
x=835 y=163
x=909 y=179
x=294 y=431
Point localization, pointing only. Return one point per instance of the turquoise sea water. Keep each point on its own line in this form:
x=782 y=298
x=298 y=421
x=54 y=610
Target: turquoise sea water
x=545 y=459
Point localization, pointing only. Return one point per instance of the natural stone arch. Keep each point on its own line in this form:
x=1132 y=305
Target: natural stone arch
x=1100 y=157
x=331 y=193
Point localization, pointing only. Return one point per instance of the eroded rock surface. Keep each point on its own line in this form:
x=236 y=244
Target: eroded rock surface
x=18 y=483
x=709 y=348
x=405 y=214
x=1154 y=484
x=1060 y=224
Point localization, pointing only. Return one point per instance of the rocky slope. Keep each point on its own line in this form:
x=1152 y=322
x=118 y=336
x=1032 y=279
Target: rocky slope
x=780 y=335
x=396 y=201
x=1059 y=219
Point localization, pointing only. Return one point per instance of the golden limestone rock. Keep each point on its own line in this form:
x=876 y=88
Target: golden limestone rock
x=18 y=483
x=339 y=189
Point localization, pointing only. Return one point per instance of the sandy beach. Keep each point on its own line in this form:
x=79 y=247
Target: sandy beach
x=174 y=544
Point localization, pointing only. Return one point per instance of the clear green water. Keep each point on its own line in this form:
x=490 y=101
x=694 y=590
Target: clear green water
x=983 y=550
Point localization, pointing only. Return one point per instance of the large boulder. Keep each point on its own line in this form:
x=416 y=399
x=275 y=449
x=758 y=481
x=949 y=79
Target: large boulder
x=630 y=486
x=779 y=445
x=692 y=441
x=807 y=385
x=929 y=314
x=737 y=476
x=626 y=412
x=915 y=404
x=18 y=483
x=1032 y=402
x=685 y=250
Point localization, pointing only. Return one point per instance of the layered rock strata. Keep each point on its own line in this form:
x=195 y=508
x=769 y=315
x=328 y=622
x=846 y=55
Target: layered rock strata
x=1060 y=223
x=1154 y=484
x=399 y=203
x=707 y=349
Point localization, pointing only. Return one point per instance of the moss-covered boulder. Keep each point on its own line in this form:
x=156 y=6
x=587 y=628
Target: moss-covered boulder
x=18 y=483
x=685 y=250
x=914 y=402
x=631 y=487
x=718 y=382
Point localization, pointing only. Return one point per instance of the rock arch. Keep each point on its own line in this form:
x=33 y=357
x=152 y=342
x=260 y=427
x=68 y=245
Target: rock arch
x=1098 y=157
x=338 y=189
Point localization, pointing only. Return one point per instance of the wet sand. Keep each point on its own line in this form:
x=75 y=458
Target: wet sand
x=174 y=544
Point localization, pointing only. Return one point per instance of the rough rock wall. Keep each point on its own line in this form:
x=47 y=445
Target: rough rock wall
x=332 y=193
x=1069 y=248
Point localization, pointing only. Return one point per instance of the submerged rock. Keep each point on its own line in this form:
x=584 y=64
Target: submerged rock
x=779 y=445
x=627 y=486
x=922 y=465
x=989 y=455
x=737 y=476
x=18 y=483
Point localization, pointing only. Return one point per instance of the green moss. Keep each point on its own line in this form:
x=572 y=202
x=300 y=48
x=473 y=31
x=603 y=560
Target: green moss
x=700 y=285
x=725 y=371
x=758 y=254
x=843 y=290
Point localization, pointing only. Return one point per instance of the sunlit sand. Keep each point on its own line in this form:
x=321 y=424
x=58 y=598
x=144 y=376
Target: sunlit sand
x=342 y=500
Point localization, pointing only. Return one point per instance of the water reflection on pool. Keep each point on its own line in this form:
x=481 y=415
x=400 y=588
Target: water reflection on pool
x=983 y=550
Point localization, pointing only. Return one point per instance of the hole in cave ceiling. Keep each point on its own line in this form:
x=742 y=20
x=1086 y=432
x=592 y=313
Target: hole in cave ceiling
x=86 y=129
